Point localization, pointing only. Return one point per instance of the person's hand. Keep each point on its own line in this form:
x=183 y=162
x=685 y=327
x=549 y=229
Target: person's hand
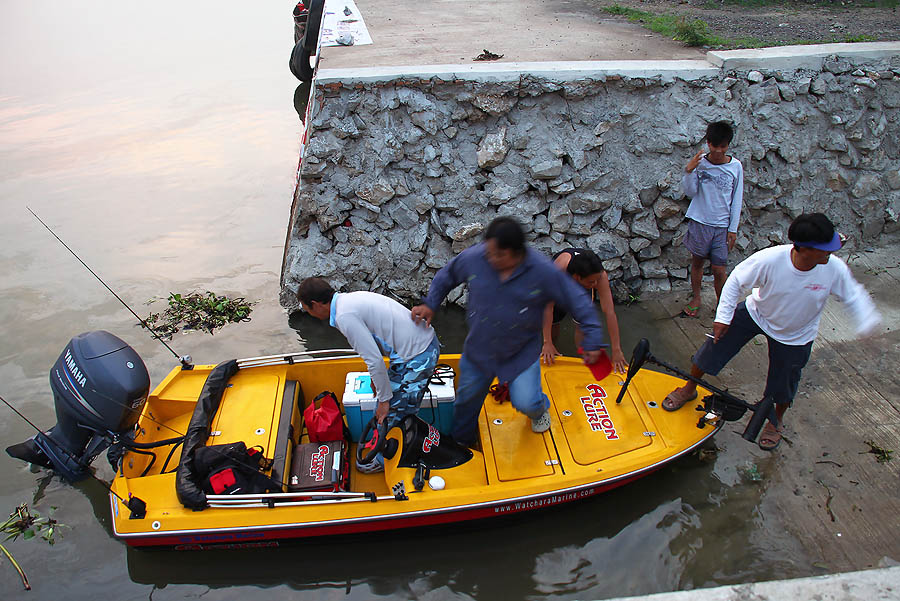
x=719 y=330
x=695 y=160
x=618 y=361
x=591 y=357
x=421 y=313
x=730 y=239
x=549 y=353
x=381 y=410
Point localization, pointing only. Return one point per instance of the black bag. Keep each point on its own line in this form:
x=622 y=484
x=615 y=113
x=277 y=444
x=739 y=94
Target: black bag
x=230 y=469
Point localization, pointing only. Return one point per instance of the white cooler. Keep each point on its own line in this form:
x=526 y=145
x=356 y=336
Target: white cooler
x=359 y=403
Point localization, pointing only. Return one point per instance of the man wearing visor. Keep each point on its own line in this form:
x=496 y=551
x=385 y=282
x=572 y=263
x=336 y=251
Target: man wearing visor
x=789 y=285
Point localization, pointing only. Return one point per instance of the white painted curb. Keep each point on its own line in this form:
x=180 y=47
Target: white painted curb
x=782 y=58
x=798 y=57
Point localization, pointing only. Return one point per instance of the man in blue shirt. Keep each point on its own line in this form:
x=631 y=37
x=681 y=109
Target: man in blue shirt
x=509 y=287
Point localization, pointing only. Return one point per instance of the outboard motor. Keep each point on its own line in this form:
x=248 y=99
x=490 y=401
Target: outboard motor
x=100 y=385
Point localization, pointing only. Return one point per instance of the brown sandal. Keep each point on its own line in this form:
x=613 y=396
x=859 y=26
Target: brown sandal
x=770 y=438
x=676 y=399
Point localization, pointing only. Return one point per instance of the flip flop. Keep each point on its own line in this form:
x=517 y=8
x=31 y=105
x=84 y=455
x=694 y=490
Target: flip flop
x=770 y=438
x=690 y=311
x=673 y=402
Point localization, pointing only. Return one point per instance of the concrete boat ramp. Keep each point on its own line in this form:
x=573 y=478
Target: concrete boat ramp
x=824 y=485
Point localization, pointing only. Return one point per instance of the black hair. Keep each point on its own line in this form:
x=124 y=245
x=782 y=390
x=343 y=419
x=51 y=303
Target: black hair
x=314 y=289
x=507 y=233
x=719 y=133
x=811 y=227
x=584 y=263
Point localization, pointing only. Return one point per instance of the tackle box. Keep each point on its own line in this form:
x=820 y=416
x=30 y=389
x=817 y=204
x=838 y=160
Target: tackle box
x=320 y=466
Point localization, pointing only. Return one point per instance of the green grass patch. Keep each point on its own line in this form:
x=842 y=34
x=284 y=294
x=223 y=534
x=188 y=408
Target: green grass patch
x=860 y=38
x=693 y=32
x=696 y=32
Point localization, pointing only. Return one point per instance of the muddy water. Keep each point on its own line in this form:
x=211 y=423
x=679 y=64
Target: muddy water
x=159 y=140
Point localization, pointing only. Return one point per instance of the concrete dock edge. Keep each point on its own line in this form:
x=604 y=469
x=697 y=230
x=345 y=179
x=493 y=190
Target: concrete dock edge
x=868 y=585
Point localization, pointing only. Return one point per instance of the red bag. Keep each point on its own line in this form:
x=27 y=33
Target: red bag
x=324 y=423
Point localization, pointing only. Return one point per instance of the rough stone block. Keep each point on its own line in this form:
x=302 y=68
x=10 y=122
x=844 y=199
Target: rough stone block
x=645 y=225
x=492 y=149
x=545 y=169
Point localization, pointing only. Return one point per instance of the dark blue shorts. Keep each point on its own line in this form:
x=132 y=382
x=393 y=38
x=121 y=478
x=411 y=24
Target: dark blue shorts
x=786 y=361
x=707 y=242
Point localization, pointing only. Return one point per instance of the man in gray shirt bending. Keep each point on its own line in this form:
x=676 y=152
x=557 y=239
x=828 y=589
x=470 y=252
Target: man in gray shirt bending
x=377 y=327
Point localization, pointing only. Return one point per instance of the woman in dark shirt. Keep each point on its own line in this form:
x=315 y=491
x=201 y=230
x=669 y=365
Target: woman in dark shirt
x=587 y=270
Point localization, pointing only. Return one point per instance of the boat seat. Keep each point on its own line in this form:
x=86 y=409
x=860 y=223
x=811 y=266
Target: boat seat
x=284 y=439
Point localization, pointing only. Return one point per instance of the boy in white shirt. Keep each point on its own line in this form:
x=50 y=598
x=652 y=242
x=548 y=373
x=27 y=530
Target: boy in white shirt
x=715 y=183
x=790 y=284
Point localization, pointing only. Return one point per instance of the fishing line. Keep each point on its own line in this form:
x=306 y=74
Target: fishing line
x=137 y=502
x=111 y=291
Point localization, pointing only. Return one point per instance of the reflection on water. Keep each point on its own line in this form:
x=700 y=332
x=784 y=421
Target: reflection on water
x=650 y=536
x=160 y=141
x=301 y=99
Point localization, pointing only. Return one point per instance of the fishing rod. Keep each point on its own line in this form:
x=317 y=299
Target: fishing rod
x=136 y=505
x=128 y=444
x=185 y=359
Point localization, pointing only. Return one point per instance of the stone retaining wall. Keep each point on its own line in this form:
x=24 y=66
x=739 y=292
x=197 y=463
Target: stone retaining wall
x=402 y=172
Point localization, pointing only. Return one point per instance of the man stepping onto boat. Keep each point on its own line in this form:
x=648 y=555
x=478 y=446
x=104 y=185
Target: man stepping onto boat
x=377 y=327
x=509 y=285
x=790 y=284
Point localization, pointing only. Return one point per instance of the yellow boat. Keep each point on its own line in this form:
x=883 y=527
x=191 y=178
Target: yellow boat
x=594 y=444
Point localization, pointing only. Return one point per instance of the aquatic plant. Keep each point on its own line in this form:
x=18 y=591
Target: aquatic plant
x=196 y=311
x=28 y=524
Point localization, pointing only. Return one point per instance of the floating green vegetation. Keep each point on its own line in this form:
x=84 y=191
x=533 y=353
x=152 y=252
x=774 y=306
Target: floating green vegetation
x=28 y=524
x=881 y=454
x=196 y=311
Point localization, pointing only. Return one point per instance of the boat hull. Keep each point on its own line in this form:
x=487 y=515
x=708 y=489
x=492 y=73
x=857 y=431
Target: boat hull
x=593 y=446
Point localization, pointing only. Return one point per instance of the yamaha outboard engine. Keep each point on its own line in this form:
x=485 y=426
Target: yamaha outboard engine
x=100 y=385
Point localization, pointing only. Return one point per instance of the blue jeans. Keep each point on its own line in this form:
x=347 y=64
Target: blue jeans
x=409 y=381
x=524 y=392
x=786 y=361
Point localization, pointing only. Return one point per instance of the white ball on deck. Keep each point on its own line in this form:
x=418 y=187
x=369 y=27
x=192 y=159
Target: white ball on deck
x=436 y=483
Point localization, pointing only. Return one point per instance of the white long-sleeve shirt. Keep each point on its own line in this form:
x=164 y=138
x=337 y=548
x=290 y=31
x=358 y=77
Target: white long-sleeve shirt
x=787 y=303
x=377 y=327
x=716 y=192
